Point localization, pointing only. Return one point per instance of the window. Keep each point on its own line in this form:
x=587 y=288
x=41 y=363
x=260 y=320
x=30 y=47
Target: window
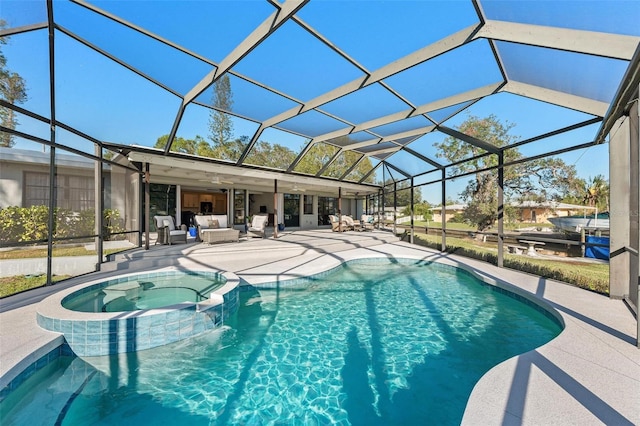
x=76 y=193
x=238 y=208
x=308 y=204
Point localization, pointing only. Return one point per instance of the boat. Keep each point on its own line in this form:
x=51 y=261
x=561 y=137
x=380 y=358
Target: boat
x=599 y=221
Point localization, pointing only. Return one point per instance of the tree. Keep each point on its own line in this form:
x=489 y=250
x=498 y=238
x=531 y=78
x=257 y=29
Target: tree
x=542 y=179
x=403 y=194
x=13 y=90
x=220 y=124
x=271 y=155
x=421 y=209
x=596 y=193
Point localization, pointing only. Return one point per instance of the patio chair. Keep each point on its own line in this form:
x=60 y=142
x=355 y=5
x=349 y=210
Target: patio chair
x=167 y=232
x=337 y=226
x=352 y=223
x=258 y=226
x=366 y=222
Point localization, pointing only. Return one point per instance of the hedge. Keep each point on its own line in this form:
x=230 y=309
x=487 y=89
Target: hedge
x=23 y=224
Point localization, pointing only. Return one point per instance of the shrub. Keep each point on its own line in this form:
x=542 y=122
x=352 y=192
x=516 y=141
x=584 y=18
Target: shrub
x=20 y=224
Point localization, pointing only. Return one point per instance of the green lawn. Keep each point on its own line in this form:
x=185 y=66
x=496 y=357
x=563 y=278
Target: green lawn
x=27 y=253
x=19 y=283
x=590 y=276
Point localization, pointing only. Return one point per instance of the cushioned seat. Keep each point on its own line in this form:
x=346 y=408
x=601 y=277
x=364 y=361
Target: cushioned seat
x=213 y=228
x=337 y=225
x=167 y=232
x=258 y=226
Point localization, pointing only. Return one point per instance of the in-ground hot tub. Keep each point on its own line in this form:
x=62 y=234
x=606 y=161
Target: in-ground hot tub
x=140 y=311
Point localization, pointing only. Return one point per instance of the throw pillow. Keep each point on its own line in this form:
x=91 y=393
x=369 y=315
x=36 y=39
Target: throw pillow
x=213 y=224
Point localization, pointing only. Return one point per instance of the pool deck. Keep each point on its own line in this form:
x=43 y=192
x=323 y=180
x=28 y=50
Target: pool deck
x=588 y=375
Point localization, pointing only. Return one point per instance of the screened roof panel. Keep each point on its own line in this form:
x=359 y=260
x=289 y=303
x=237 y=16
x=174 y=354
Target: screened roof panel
x=323 y=70
x=377 y=147
x=392 y=175
x=315 y=158
x=443 y=114
x=33 y=127
x=557 y=142
x=311 y=123
x=618 y=17
x=196 y=122
x=362 y=169
x=409 y=163
x=577 y=74
x=386 y=31
x=426 y=146
x=33 y=68
x=166 y=65
x=72 y=140
x=209 y=28
x=373 y=101
x=529 y=117
x=103 y=87
x=295 y=62
x=342 y=163
x=406 y=141
x=430 y=192
x=276 y=149
x=400 y=126
x=383 y=155
x=250 y=100
x=17 y=13
x=196 y=136
x=352 y=138
x=460 y=70
x=379 y=175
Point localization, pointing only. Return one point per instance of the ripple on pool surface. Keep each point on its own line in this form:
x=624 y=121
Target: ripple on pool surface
x=371 y=343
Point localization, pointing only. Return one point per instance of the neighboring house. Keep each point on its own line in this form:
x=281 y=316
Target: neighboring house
x=450 y=211
x=539 y=212
x=24 y=180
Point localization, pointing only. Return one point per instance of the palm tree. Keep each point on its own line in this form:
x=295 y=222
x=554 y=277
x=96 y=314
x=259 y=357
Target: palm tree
x=596 y=192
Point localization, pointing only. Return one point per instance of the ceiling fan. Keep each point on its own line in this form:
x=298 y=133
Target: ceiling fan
x=215 y=179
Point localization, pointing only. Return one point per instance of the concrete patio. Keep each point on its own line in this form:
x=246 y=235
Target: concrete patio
x=588 y=375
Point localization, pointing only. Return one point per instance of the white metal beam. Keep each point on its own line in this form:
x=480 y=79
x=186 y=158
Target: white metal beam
x=566 y=100
x=616 y=46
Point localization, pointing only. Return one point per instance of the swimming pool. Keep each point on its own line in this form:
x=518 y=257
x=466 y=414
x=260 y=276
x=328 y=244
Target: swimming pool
x=373 y=342
x=144 y=292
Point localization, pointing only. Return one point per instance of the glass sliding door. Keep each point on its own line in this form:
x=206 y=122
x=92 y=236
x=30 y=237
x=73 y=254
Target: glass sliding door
x=291 y=210
x=326 y=206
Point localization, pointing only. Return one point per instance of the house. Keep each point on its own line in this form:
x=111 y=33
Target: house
x=539 y=212
x=450 y=211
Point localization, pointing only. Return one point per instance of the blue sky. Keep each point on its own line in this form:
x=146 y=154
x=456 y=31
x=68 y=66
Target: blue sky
x=104 y=100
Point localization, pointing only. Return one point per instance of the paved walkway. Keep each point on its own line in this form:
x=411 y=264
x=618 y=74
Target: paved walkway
x=588 y=375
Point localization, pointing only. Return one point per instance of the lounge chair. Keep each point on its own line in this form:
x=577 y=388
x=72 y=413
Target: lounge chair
x=258 y=226
x=337 y=226
x=366 y=222
x=167 y=232
x=351 y=223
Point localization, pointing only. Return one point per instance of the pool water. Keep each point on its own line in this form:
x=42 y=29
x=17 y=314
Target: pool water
x=145 y=292
x=373 y=343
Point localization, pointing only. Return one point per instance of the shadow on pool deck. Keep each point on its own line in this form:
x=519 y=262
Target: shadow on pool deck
x=589 y=374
